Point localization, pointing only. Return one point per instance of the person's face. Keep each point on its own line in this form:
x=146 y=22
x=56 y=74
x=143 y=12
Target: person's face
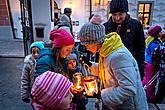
x=92 y=47
x=65 y=51
x=68 y=14
x=118 y=17
x=65 y=104
x=72 y=64
x=35 y=52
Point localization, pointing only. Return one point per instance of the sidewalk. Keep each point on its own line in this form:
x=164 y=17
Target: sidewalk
x=12 y=48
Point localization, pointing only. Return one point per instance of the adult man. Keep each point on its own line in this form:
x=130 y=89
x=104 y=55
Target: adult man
x=68 y=12
x=129 y=29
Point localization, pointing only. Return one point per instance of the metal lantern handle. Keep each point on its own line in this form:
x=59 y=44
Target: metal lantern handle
x=86 y=69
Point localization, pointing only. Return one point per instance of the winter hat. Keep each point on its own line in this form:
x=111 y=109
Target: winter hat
x=92 y=32
x=67 y=10
x=39 y=44
x=49 y=89
x=154 y=30
x=64 y=18
x=61 y=38
x=96 y=19
x=72 y=56
x=118 y=6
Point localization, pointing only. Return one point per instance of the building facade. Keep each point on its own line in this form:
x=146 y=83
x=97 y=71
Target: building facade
x=39 y=16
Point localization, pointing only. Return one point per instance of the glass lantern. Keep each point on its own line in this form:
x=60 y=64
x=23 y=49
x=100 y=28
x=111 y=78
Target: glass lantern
x=90 y=85
x=77 y=82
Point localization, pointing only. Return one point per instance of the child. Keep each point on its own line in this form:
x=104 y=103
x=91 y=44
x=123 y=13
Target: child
x=79 y=99
x=51 y=91
x=28 y=70
x=152 y=42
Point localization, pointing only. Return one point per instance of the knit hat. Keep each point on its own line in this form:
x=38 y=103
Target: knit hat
x=118 y=6
x=154 y=30
x=72 y=56
x=67 y=10
x=49 y=89
x=92 y=32
x=61 y=38
x=39 y=44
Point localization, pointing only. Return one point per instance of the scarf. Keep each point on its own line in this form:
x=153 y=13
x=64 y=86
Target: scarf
x=111 y=43
x=148 y=40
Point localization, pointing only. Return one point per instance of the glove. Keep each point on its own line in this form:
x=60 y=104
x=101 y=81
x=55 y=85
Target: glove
x=84 y=59
x=27 y=100
x=98 y=95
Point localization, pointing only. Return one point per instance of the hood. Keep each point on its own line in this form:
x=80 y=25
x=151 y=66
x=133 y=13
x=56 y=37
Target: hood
x=29 y=59
x=44 y=52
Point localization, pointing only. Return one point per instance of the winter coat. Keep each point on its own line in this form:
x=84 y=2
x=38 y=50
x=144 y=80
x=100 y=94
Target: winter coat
x=27 y=77
x=64 y=23
x=46 y=61
x=132 y=35
x=123 y=88
x=150 y=50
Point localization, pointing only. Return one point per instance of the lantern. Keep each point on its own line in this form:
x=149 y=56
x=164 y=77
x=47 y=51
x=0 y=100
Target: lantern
x=90 y=85
x=77 y=82
x=90 y=82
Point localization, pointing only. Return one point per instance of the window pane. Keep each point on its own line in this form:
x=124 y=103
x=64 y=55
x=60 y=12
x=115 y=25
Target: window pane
x=147 y=7
x=146 y=19
x=141 y=6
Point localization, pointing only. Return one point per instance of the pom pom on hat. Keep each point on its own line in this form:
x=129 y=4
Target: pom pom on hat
x=154 y=30
x=118 y=6
x=61 y=38
x=96 y=19
x=39 y=44
x=92 y=32
x=49 y=89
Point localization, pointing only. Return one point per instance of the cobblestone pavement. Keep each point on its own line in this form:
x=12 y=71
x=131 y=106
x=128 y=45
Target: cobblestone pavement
x=11 y=48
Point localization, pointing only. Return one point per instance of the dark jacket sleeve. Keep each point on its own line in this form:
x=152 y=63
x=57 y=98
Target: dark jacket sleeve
x=140 y=48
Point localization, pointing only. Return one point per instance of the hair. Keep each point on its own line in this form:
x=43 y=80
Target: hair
x=56 y=54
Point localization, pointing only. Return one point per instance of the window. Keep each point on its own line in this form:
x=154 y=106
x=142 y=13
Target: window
x=144 y=13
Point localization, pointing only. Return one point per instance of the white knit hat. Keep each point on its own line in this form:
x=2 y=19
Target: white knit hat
x=49 y=89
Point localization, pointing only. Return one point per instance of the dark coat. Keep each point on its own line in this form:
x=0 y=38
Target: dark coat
x=132 y=35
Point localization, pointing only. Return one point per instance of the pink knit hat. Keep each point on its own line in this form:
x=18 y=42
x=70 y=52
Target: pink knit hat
x=49 y=89
x=61 y=38
x=154 y=30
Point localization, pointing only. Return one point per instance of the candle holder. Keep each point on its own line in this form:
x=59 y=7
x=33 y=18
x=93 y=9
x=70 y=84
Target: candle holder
x=77 y=82
x=90 y=85
x=90 y=82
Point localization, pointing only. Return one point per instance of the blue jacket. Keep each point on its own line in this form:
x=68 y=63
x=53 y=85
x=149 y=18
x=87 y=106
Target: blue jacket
x=150 y=50
x=45 y=62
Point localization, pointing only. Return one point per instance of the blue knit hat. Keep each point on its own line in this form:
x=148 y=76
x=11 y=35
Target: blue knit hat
x=39 y=44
